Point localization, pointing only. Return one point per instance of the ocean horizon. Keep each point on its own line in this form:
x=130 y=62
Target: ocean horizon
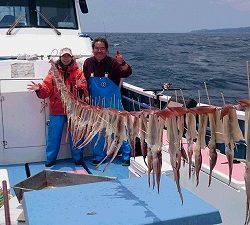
x=186 y=60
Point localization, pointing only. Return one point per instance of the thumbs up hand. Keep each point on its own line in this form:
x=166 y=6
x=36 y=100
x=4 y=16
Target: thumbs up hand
x=119 y=57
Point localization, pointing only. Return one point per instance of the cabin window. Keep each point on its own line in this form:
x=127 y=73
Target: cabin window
x=11 y=10
x=61 y=13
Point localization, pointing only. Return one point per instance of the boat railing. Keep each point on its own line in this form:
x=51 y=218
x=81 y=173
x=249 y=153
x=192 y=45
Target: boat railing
x=133 y=94
x=136 y=98
x=18 y=79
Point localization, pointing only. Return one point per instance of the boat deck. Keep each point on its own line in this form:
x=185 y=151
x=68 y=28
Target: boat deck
x=123 y=202
x=17 y=174
x=220 y=195
x=221 y=170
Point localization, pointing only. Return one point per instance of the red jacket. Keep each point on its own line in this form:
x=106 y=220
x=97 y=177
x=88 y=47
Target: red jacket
x=49 y=90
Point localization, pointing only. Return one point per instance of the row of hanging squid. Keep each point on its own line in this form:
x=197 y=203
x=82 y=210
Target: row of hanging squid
x=86 y=121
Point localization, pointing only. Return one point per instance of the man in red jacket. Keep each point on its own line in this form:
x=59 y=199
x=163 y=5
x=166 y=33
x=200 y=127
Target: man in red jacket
x=76 y=82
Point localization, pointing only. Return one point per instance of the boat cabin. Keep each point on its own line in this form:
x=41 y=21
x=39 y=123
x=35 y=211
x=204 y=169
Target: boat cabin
x=31 y=32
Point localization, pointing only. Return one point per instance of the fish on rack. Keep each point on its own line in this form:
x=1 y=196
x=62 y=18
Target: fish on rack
x=85 y=121
x=246 y=103
x=231 y=133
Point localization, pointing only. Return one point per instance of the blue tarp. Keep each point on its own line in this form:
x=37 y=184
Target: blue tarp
x=123 y=202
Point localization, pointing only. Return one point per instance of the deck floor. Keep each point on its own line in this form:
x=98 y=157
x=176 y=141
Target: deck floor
x=17 y=174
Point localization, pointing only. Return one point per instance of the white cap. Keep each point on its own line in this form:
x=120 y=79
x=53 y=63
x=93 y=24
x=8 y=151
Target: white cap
x=64 y=51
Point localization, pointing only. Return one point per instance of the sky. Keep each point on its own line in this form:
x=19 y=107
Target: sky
x=164 y=16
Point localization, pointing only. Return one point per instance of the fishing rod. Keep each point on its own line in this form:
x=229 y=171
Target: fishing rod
x=159 y=92
x=170 y=89
x=165 y=87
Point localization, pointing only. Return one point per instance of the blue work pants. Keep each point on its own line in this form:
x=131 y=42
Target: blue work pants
x=55 y=131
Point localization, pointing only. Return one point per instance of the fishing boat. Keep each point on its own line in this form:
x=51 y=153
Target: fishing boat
x=31 y=33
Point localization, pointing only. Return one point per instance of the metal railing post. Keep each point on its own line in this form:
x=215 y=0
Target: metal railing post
x=6 y=203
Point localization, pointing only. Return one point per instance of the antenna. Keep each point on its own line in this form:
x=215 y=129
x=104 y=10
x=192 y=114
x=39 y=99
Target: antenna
x=209 y=101
x=104 y=29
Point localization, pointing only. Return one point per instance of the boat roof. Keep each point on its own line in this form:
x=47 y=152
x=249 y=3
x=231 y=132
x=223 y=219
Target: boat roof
x=44 y=44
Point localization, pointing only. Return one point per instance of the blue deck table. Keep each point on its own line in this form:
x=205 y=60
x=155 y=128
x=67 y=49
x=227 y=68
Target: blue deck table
x=121 y=202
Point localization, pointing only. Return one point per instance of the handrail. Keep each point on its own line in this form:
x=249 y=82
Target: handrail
x=16 y=22
x=4 y=79
x=49 y=23
x=19 y=57
x=165 y=98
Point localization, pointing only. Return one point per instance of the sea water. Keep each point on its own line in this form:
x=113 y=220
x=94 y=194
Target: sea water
x=187 y=60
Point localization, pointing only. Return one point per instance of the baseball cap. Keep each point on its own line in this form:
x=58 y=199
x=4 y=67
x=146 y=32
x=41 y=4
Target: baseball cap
x=64 y=51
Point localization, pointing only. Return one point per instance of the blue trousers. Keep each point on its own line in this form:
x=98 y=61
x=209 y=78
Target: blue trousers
x=55 y=130
x=104 y=92
x=99 y=154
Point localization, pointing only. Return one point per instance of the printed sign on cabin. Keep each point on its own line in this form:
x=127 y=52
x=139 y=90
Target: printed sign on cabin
x=22 y=70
